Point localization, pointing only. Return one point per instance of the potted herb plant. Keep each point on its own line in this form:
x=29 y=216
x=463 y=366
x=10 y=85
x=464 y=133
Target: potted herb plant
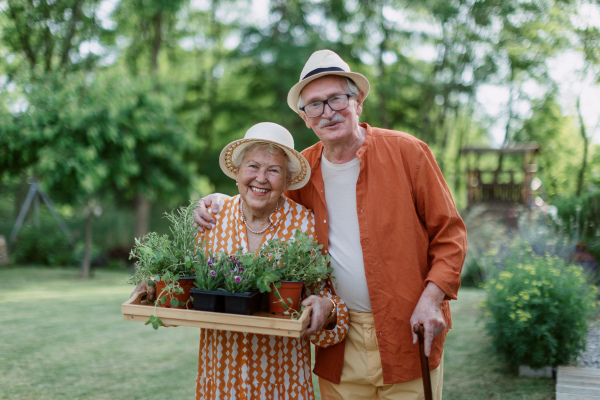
x=227 y=283
x=296 y=263
x=207 y=292
x=240 y=272
x=169 y=263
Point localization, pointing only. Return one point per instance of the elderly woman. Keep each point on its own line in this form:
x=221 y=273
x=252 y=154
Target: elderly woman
x=235 y=365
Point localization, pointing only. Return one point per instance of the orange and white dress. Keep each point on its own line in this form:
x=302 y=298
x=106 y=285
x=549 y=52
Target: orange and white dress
x=236 y=365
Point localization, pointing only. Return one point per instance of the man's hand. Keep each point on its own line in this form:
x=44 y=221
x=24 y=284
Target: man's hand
x=143 y=286
x=428 y=312
x=321 y=309
x=204 y=220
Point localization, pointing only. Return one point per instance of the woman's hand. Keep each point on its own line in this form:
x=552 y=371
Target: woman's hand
x=204 y=220
x=143 y=286
x=321 y=311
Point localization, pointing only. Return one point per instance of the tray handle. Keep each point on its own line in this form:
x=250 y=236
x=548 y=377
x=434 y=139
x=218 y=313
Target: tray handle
x=139 y=298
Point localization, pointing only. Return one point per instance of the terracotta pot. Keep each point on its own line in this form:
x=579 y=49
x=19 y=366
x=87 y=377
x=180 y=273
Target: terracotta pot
x=288 y=290
x=187 y=284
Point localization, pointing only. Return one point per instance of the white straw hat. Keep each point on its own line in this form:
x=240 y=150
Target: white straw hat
x=267 y=132
x=321 y=63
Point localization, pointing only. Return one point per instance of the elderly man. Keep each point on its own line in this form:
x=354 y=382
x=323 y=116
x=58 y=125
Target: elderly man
x=397 y=243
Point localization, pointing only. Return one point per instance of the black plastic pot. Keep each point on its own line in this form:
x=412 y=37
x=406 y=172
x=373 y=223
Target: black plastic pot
x=208 y=300
x=243 y=303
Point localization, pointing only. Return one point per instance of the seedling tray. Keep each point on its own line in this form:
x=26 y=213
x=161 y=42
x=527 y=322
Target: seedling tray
x=138 y=310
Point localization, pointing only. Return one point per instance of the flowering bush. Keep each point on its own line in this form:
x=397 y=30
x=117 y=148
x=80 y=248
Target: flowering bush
x=537 y=308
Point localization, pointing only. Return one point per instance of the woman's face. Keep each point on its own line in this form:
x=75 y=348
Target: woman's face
x=262 y=178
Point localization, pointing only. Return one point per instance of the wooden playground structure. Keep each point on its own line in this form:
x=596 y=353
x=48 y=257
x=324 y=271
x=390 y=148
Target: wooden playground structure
x=501 y=186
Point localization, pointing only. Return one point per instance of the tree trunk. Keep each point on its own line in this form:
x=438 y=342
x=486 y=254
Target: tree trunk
x=157 y=22
x=142 y=215
x=583 y=133
x=87 y=252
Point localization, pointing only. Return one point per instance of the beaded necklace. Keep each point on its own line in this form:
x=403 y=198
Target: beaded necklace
x=246 y=223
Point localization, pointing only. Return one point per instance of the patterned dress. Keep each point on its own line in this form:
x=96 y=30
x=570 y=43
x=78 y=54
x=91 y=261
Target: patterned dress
x=236 y=365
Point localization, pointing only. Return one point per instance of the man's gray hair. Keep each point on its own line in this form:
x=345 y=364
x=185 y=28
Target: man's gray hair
x=269 y=148
x=352 y=88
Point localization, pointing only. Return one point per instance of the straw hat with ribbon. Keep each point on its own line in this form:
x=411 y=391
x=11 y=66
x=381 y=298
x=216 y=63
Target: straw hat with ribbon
x=321 y=63
x=267 y=132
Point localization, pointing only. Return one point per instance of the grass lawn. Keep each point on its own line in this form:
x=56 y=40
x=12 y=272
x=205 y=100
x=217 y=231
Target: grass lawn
x=64 y=338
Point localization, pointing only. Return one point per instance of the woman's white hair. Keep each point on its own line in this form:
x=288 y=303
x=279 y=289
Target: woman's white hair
x=270 y=148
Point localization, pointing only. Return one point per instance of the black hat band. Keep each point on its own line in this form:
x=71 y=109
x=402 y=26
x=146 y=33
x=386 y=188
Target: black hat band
x=319 y=70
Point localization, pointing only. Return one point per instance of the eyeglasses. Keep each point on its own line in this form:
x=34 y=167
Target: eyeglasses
x=336 y=103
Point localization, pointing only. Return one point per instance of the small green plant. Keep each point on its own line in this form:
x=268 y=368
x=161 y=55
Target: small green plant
x=537 y=308
x=299 y=259
x=160 y=258
x=210 y=274
x=240 y=272
x=157 y=255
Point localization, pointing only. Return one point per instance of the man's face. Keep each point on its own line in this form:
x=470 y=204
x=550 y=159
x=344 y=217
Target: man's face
x=331 y=125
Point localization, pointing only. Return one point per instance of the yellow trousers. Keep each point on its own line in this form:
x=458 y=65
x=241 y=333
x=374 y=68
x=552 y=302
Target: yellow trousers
x=362 y=376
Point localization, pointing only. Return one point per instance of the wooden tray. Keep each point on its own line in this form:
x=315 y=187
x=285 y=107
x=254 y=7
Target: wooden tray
x=137 y=309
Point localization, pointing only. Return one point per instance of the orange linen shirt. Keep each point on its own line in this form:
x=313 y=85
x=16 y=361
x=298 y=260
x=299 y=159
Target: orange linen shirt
x=235 y=365
x=410 y=232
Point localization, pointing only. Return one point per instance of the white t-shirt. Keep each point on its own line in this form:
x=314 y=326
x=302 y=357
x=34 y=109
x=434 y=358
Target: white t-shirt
x=344 y=235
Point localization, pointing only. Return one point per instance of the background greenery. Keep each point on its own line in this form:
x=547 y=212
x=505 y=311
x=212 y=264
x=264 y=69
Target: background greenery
x=65 y=338
x=119 y=109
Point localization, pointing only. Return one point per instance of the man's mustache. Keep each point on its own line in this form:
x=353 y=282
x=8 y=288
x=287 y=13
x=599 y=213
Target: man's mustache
x=336 y=118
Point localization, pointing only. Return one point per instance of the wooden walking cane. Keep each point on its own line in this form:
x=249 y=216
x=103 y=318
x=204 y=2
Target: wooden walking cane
x=420 y=331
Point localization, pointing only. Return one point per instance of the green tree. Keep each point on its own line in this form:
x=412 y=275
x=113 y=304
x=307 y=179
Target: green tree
x=45 y=36
x=83 y=137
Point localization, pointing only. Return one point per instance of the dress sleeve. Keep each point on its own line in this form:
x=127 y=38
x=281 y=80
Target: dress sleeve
x=329 y=337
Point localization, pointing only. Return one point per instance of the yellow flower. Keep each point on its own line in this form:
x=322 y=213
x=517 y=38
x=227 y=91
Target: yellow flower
x=523 y=315
x=506 y=275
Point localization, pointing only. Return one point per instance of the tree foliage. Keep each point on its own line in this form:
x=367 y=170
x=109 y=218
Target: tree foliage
x=135 y=102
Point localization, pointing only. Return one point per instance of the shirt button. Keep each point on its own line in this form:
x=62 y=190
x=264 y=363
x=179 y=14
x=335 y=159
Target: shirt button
x=324 y=221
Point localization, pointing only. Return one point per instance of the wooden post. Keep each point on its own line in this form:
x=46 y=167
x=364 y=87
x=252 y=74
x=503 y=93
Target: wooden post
x=3 y=251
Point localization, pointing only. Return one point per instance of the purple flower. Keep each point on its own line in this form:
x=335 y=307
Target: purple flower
x=241 y=269
x=210 y=263
x=212 y=272
x=237 y=279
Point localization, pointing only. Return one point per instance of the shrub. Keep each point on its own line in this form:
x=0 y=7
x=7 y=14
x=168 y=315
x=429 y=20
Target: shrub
x=537 y=308
x=44 y=245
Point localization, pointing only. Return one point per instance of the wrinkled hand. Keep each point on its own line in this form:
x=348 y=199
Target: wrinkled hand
x=321 y=309
x=428 y=313
x=204 y=220
x=143 y=286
